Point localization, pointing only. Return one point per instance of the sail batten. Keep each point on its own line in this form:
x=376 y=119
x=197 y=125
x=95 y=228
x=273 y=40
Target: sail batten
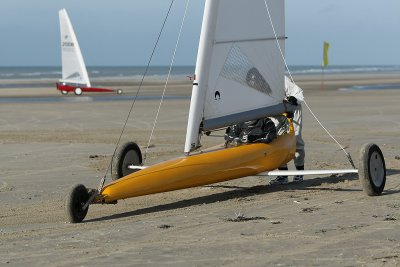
x=251 y=40
x=225 y=121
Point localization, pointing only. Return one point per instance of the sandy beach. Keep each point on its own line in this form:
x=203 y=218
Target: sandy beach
x=47 y=146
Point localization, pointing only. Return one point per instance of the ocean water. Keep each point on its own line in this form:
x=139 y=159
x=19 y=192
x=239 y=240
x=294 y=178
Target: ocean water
x=351 y=69
x=42 y=75
x=135 y=73
x=179 y=72
x=393 y=86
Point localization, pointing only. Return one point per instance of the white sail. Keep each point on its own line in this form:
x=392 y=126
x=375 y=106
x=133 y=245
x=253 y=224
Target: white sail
x=239 y=69
x=73 y=67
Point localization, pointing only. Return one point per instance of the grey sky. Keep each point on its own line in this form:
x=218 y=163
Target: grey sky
x=122 y=32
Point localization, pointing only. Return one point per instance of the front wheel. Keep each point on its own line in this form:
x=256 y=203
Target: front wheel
x=126 y=155
x=74 y=203
x=372 y=169
x=119 y=91
x=78 y=91
x=64 y=92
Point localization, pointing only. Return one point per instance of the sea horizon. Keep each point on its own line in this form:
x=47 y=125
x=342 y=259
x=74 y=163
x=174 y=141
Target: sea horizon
x=178 y=72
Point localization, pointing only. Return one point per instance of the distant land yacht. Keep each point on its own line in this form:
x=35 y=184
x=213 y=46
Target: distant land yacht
x=74 y=74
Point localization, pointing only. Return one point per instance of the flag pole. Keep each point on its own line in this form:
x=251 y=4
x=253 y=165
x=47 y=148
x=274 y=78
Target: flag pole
x=322 y=76
x=325 y=62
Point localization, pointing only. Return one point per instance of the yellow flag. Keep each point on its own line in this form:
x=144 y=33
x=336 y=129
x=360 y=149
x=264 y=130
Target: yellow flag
x=326 y=61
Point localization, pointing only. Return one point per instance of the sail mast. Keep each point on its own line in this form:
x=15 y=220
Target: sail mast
x=201 y=74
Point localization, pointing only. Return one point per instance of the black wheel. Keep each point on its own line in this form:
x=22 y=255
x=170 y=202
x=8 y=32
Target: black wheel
x=78 y=91
x=74 y=202
x=372 y=169
x=127 y=154
x=64 y=92
x=119 y=91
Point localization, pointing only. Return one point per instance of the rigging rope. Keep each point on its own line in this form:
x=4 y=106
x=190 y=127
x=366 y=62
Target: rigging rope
x=136 y=95
x=166 y=82
x=308 y=107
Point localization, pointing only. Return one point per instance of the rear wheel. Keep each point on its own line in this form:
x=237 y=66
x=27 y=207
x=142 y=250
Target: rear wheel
x=372 y=169
x=64 y=92
x=126 y=155
x=119 y=91
x=78 y=91
x=74 y=202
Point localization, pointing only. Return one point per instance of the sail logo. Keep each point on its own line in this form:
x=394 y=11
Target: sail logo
x=239 y=68
x=255 y=80
x=68 y=44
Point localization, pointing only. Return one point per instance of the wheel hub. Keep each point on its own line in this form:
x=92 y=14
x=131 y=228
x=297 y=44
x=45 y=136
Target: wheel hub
x=376 y=168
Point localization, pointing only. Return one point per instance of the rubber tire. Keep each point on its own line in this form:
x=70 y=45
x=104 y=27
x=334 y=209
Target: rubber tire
x=119 y=91
x=372 y=175
x=127 y=154
x=76 y=197
x=63 y=92
x=78 y=91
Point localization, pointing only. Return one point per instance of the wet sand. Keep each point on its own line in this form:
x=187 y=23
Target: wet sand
x=326 y=221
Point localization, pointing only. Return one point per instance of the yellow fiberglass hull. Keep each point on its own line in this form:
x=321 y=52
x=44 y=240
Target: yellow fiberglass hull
x=203 y=168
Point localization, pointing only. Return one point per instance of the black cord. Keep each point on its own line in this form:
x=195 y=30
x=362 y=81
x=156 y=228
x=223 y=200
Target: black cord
x=137 y=92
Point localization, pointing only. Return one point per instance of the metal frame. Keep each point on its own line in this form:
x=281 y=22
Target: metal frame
x=283 y=172
x=133 y=167
x=307 y=172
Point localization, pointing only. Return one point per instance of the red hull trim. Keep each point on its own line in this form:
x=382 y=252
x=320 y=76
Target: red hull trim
x=70 y=88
